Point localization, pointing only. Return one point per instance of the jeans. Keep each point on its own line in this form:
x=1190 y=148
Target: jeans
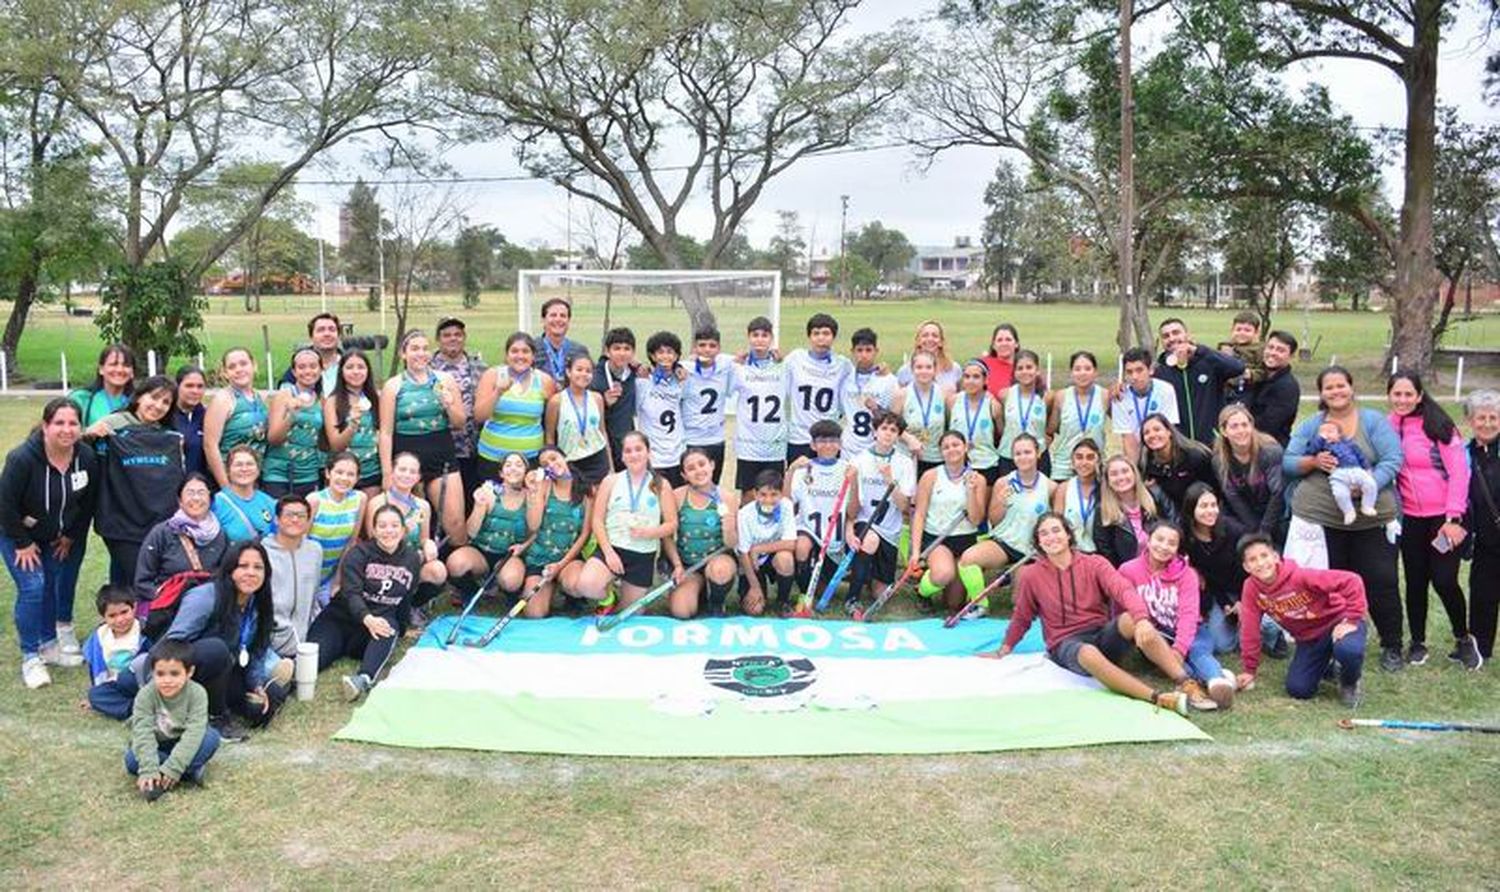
x=115 y=698
x=194 y=772
x=44 y=596
x=1226 y=634
x=338 y=638
x=1311 y=659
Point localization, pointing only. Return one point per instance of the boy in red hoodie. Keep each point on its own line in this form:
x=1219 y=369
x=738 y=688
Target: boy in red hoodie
x=1075 y=595
x=1323 y=610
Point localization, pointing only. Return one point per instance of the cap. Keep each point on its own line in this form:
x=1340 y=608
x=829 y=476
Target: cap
x=449 y=322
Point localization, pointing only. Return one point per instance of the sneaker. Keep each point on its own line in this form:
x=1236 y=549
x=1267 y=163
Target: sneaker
x=978 y=611
x=1468 y=654
x=1352 y=695
x=67 y=640
x=606 y=605
x=1279 y=650
x=281 y=673
x=356 y=686
x=1197 y=698
x=852 y=608
x=53 y=655
x=1221 y=691
x=1416 y=655
x=34 y=672
x=231 y=729
x=1176 y=701
x=1391 y=659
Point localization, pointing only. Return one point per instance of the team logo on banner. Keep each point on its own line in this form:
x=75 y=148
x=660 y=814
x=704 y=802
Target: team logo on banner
x=761 y=676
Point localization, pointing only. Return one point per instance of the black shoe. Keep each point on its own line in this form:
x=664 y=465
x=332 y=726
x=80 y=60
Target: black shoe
x=852 y=607
x=1391 y=659
x=1351 y=695
x=1416 y=655
x=1279 y=650
x=152 y=794
x=231 y=729
x=1468 y=654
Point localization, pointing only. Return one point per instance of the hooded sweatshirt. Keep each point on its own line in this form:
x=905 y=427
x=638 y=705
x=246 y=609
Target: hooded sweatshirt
x=376 y=583
x=1307 y=603
x=1083 y=596
x=294 y=590
x=1200 y=389
x=1434 y=477
x=38 y=503
x=1170 y=596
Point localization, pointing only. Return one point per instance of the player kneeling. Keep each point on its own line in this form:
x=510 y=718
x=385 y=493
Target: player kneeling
x=706 y=521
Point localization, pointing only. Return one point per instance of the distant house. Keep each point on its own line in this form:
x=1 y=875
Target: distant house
x=955 y=268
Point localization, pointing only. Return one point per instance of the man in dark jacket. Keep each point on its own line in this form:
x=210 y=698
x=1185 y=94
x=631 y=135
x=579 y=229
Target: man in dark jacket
x=1198 y=374
x=1274 y=401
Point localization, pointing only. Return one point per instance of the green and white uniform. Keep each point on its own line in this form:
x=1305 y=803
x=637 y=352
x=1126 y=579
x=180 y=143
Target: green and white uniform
x=977 y=424
x=1078 y=417
x=332 y=527
x=562 y=521
x=699 y=530
x=365 y=444
x=419 y=409
x=1080 y=512
x=924 y=415
x=1024 y=413
x=580 y=426
x=948 y=499
x=515 y=424
x=1025 y=505
x=502 y=527
x=413 y=509
x=246 y=425
x=298 y=459
x=631 y=505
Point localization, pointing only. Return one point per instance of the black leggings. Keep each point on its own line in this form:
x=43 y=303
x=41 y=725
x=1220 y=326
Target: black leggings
x=223 y=678
x=1484 y=596
x=1370 y=554
x=338 y=638
x=122 y=559
x=1423 y=565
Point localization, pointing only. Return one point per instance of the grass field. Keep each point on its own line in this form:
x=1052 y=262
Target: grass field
x=1279 y=799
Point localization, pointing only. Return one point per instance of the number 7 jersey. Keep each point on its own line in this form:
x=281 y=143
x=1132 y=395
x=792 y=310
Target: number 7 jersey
x=760 y=410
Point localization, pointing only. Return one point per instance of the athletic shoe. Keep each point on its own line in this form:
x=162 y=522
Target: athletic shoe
x=1352 y=695
x=151 y=794
x=356 y=686
x=853 y=608
x=1416 y=655
x=1391 y=659
x=1468 y=654
x=1176 y=701
x=53 y=655
x=281 y=673
x=978 y=611
x=231 y=729
x=1279 y=650
x=67 y=640
x=1221 y=691
x=1197 y=698
x=34 y=672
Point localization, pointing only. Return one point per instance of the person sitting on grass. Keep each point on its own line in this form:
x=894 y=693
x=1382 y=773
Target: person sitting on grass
x=1075 y=594
x=170 y=740
x=767 y=529
x=1323 y=610
x=109 y=651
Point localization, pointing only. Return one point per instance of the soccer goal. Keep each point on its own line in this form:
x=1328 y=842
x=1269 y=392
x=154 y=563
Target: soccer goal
x=647 y=301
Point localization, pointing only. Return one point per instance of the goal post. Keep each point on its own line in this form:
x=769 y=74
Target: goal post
x=647 y=301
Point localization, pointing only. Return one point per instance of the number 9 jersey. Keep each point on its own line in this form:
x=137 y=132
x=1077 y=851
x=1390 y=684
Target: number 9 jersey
x=658 y=415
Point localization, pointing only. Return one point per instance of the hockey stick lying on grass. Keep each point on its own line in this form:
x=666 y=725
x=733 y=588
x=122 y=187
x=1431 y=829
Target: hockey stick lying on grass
x=511 y=614
x=835 y=524
x=852 y=548
x=452 y=635
x=863 y=616
x=995 y=586
x=1351 y=724
x=610 y=620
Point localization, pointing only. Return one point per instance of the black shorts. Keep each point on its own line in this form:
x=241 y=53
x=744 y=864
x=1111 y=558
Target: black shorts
x=1107 y=638
x=883 y=561
x=434 y=451
x=715 y=452
x=956 y=544
x=745 y=471
x=374 y=481
x=640 y=567
x=276 y=489
x=1012 y=556
x=795 y=451
x=924 y=466
x=672 y=475
x=591 y=469
x=990 y=475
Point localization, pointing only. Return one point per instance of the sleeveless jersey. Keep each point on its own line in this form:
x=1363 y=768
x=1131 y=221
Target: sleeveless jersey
x=297 y=459
x=562 y=521
x=658 y=415
x=502 y=527
x=924 y=419
x=1078 y=417
x=246 y=425
x=419 y=409
x=978 y=427
x=859 y=390
x=760 y=411
x=1027 y=414
x=814 y=387
x=411 y=516
x=948 y=500
x=872 y=486
x=705 y=401
x=365 y=444
x=332 y=527
x=629 y=505
x=580 y=428
x=1080 y=513
x=515 y=424
x=813 y=498
x=1022 y=510
x=699 y=530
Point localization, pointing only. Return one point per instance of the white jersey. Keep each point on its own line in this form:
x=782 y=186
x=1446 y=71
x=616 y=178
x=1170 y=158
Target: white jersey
x=760 y=410
x=658 y=415
x=705 y=397
x=862 y=395
x=1131 y=410
x=813 y=386
x=813 y=495
x=872 y=486
x=949 y=499
x=628 y=506
x=757 y=528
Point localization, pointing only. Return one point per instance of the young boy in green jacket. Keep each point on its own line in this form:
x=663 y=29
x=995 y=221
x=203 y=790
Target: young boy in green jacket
x=170 y=739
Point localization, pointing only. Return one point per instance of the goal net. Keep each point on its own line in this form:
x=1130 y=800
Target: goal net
x=648 y=301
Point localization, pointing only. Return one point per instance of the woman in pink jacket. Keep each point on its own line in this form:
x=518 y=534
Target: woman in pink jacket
x=1434 y=487
x=1169 y=589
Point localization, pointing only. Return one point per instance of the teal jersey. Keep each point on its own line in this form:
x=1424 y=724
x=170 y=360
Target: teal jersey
x=246 y=425
x=298 y=459
x=502 y=526
x=419 y=409
x=562 y=521
x=699 y=530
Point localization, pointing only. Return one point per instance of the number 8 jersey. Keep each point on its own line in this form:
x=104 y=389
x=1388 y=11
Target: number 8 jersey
x=760 y=410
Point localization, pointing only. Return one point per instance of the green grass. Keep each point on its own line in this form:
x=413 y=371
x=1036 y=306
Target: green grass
x=1278 y=798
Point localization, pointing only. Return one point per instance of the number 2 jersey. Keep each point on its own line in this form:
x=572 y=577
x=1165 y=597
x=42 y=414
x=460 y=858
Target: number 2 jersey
x=814 y=387
x=760 y=410
x=705 y=396
x=658 y=415
x=815 y=488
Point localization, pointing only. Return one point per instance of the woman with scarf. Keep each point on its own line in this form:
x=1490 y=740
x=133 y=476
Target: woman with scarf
x=191 y=539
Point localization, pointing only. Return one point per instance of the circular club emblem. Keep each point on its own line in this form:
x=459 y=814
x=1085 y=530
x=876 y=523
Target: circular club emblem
x=761 y=676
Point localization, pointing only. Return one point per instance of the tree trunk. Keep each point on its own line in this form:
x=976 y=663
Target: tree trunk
x=26 y=289
x=1413 y=290
x=1450 y=294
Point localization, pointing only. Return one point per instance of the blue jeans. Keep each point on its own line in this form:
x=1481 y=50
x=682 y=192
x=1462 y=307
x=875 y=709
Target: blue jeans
x=44 y=596
x=1311 y=659
x=115 y=698
x=1226 y=635
x=1200 y=656
x=194 y=771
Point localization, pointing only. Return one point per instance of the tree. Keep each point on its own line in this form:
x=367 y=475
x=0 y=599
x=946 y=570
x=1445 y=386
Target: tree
x=888 y=250
x=474 y=256
x=1261 y=242
x=787 y=247
x=360 y=254
x=1005 y=197
x=155 y=307
x=855 y=272
x=1354 y=262
x=639 y=106
x=1467 y=200
x=234 y=195
x=421 y=219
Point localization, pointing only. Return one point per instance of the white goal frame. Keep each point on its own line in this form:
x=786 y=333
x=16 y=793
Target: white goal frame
x=527 y=320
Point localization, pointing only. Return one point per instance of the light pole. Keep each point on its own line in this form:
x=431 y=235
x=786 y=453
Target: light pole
x=843 y=255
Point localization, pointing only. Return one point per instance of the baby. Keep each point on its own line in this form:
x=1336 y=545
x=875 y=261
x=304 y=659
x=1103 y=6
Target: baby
x=1353 y=471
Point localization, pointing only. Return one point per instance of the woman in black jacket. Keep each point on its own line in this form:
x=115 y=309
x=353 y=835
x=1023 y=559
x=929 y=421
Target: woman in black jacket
x=47 y=494
x=1173 y=462
x=1211 y=546
x=1128 y=507
x=1483 y=411
x=191 y=539
x=139 y=474
x=373 y=606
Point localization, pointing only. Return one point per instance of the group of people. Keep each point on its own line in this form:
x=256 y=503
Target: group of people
x=1146 y=513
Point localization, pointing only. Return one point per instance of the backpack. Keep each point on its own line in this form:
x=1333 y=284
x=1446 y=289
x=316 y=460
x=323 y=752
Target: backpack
x=161 y=610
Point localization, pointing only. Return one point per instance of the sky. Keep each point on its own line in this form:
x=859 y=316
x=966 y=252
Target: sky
x=931 y=203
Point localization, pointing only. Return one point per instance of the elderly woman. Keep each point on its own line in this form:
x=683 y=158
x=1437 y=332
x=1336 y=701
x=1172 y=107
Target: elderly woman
x=1483 y=412
x=190 y=539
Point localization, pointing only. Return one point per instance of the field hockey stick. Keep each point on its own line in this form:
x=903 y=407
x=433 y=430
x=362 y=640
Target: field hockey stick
x=452 y=635
x=1351 y=724
x=851 y=551
x=909 y=572
x=609 y=621
x=494 y=631
x=995 y=586
x=835 y=524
